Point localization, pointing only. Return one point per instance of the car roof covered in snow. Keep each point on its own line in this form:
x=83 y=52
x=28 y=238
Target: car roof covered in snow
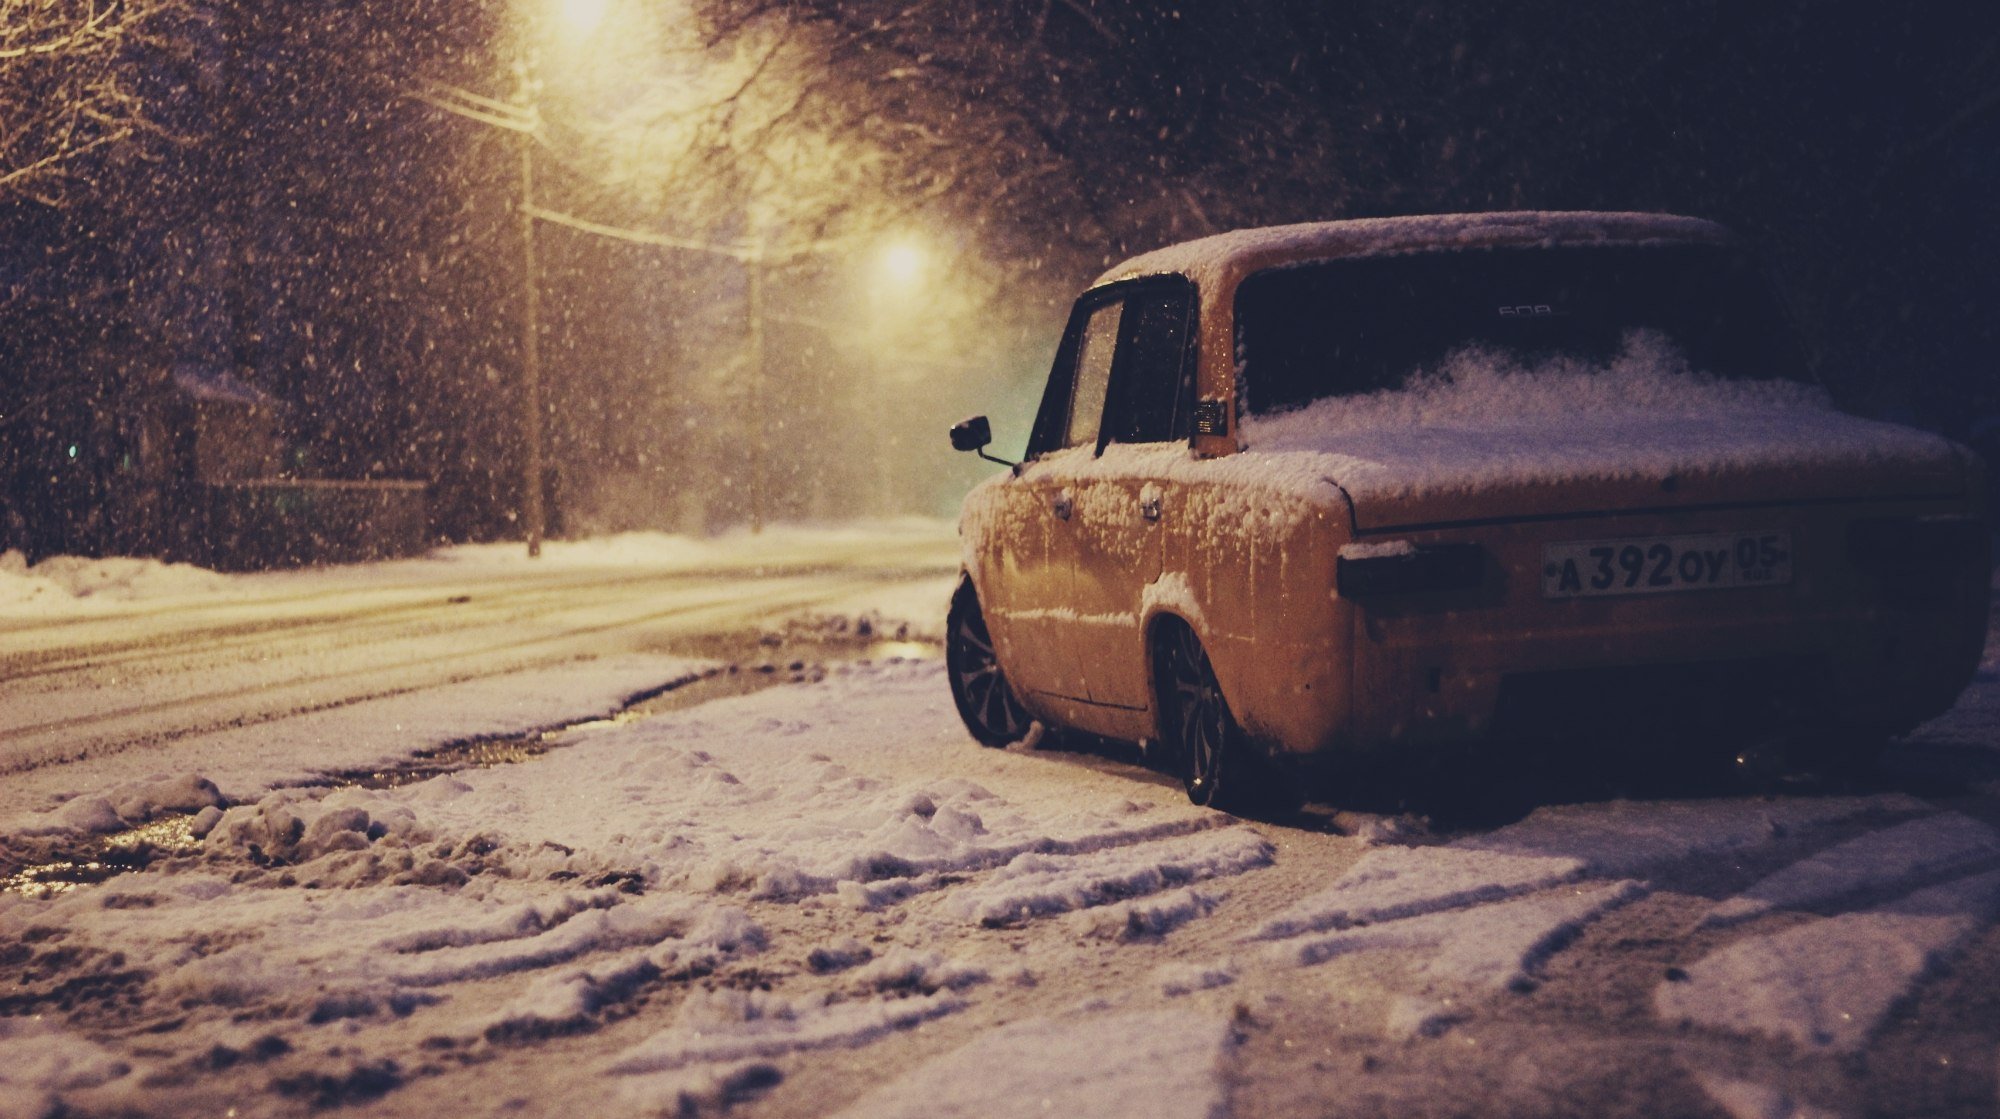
x=1212 y=259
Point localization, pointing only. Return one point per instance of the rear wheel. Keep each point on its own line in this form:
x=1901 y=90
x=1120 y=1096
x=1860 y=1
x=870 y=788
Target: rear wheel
x=1202 y=738
x=985 y=700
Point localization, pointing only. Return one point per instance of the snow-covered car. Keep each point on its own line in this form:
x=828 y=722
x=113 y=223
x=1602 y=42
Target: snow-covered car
x=1335 y=489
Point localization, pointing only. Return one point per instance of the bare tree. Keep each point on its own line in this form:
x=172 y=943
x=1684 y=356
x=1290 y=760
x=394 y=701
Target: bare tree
x=69 y=85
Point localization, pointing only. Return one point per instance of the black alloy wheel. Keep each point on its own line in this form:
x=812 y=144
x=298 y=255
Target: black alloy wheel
x=1201 y=735
x=985 y=700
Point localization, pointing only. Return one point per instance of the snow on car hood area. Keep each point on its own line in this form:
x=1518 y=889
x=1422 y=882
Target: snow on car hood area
x=822 y=898
x=1483 y=421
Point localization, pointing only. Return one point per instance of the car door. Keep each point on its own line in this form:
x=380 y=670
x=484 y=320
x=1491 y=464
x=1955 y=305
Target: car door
x=1121 y=506
x=1031 y=605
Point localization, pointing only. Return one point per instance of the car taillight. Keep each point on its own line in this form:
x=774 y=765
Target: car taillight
x=1412 y=569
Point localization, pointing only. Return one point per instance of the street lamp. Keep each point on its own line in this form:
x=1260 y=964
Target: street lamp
x=531 y=318
x=903 y=263
x=578 y=18
x=581 y=17
x=576 y=21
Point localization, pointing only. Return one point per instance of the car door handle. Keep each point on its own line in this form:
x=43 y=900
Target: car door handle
x=1149 y=507
x=1062 y=506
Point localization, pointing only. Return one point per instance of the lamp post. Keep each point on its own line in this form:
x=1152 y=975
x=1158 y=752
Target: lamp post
x=531 y=321
x=578 y=18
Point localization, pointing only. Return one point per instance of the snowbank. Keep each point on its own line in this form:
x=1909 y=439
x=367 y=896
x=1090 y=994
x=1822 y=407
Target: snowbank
x=70 y=584
x=63 y=583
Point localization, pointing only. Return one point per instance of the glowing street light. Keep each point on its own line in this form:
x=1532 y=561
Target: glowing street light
x=903 y=263
x=581 y=17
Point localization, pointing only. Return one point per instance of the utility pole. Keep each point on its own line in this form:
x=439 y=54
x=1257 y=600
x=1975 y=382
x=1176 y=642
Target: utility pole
x=531 y=325
x=754 y=312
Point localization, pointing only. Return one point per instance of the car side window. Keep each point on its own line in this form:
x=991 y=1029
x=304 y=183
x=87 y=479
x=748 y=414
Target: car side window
x=1150 y=378
x=1122 y=373
x=1092 y=381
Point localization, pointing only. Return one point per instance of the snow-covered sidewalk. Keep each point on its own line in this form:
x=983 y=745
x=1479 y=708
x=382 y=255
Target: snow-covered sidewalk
x=716 y=896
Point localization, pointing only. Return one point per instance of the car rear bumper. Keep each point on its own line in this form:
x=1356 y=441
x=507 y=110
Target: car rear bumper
x=1881 y=625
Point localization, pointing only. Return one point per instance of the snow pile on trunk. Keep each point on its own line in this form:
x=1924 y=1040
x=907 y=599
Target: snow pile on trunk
x=1482 y=419
x=1161 y=1064
x=1480 y=387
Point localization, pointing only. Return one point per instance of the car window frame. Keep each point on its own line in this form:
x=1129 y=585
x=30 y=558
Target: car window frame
x=1058 y=396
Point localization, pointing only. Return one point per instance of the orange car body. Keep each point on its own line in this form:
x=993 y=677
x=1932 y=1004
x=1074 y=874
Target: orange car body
x=1430 y=576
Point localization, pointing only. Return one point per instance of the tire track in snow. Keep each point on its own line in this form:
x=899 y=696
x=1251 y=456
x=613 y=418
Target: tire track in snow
x=1497 y=946
x=1898 y=856
x=723 y=1026
x=1490 y=910
x=1830 y=983
x=1037 y=885
x=1552 y=847
x=1162 y=1064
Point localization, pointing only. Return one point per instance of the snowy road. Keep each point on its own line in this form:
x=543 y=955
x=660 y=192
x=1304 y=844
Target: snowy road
x=77 y=686
x=820 y=898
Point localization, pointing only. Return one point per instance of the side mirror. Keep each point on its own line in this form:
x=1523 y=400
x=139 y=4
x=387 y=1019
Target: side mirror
x=973 y=435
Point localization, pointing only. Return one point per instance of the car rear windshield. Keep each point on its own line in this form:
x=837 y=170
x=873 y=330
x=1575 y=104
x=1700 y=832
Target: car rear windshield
x=1344 y=327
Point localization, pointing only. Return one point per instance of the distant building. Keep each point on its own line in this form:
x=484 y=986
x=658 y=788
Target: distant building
x=186 y=463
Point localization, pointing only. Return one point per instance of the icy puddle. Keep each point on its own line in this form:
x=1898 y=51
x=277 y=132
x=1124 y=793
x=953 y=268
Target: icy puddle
x=104 y=859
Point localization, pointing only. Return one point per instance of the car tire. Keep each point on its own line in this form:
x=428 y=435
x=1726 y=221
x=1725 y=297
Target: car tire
x=1216 y=765
x=985 y=699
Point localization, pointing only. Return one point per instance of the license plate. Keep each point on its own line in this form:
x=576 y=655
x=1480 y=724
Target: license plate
x=1662 y=564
